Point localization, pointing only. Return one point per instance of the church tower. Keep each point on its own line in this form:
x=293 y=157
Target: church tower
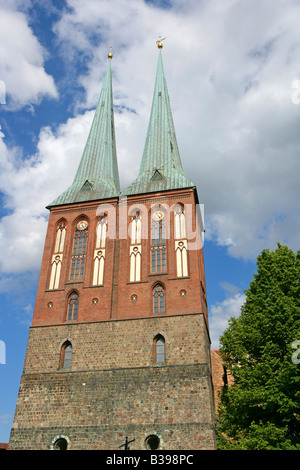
x=119 y=343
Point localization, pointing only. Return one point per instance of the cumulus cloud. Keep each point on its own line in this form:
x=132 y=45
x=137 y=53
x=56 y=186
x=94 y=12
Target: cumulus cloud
x=229 y=67
x=22 y=59
x=220 y=313
x=29 y=185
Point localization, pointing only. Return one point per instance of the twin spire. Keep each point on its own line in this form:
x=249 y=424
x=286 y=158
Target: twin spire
x=97 y=176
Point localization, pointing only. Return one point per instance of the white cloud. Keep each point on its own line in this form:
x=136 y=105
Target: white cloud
x=22 y=59
x=220 y=313
x=29 y=185
x=229 y=66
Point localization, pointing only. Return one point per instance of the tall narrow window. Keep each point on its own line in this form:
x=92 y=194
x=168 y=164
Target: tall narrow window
x=79 y=250
x=57 y=256
x=66 y=355
x=158 y=242
x=159 y=349
x=99 y=252
x=72 y=307
x=158 y=299
x=135 y=248
x=180 y=242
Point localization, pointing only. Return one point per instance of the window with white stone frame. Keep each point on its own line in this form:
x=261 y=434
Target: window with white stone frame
x=99 y=252
x=57 y=256
x=79 y=250
x=180 y=242
x=135 y=252
x=158 y=259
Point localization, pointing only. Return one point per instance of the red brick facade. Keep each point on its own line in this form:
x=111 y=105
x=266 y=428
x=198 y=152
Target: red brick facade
x=116 y=292
x=114 y=387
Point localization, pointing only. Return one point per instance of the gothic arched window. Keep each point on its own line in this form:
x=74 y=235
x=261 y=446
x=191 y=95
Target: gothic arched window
x=180 y=241
x=135 y=247
x=72 y=306
x=57 y=255
x=99 y=252
x=66 y=355
x=158 y=299
x=79 y=250
x=159 y=349
x=158 y=241
x=101 y=232
x=179 y=222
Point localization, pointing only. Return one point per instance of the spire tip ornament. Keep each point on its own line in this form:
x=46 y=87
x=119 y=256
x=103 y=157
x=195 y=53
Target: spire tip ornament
x=158 y=42
x=110 y=56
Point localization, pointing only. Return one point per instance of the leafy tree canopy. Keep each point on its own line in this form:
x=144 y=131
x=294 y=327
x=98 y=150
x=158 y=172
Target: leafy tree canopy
x=261 y=349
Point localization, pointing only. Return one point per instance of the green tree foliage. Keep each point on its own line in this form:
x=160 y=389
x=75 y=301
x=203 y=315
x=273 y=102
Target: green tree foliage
x=261 y=348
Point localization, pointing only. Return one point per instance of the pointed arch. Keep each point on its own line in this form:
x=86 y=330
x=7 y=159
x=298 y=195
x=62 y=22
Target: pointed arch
x=159 y=225
x=99 y=251
x=179 y=222
x=135 y=263
x=101 y=231
x=135 y=249
x=79 y=248
x=159 y=299
x=180 y=240
x=60 y=236
x=73 y=303
x=181 y=258
x=135 y=227
x=57 y=256
x=99 y=259
x=66 y=355
x=159 y=349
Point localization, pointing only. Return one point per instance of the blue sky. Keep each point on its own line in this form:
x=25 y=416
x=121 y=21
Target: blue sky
x=232 y=69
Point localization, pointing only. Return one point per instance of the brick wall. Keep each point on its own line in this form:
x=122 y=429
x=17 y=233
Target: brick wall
x=118 y=344
x=96 y=410
x=115 y=296
x=114 y=388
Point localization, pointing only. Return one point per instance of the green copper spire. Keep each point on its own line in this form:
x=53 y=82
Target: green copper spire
x=97 y=176
x=161 y=167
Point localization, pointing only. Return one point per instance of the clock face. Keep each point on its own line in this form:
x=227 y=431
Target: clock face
x=82 y=225
x=158 y=215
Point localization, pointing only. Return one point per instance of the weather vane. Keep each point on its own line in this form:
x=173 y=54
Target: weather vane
x=158 y=42
x=110 y=56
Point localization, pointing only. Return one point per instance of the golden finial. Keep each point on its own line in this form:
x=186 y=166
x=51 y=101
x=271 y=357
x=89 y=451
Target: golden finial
x=158 y=42
x=110 y=56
